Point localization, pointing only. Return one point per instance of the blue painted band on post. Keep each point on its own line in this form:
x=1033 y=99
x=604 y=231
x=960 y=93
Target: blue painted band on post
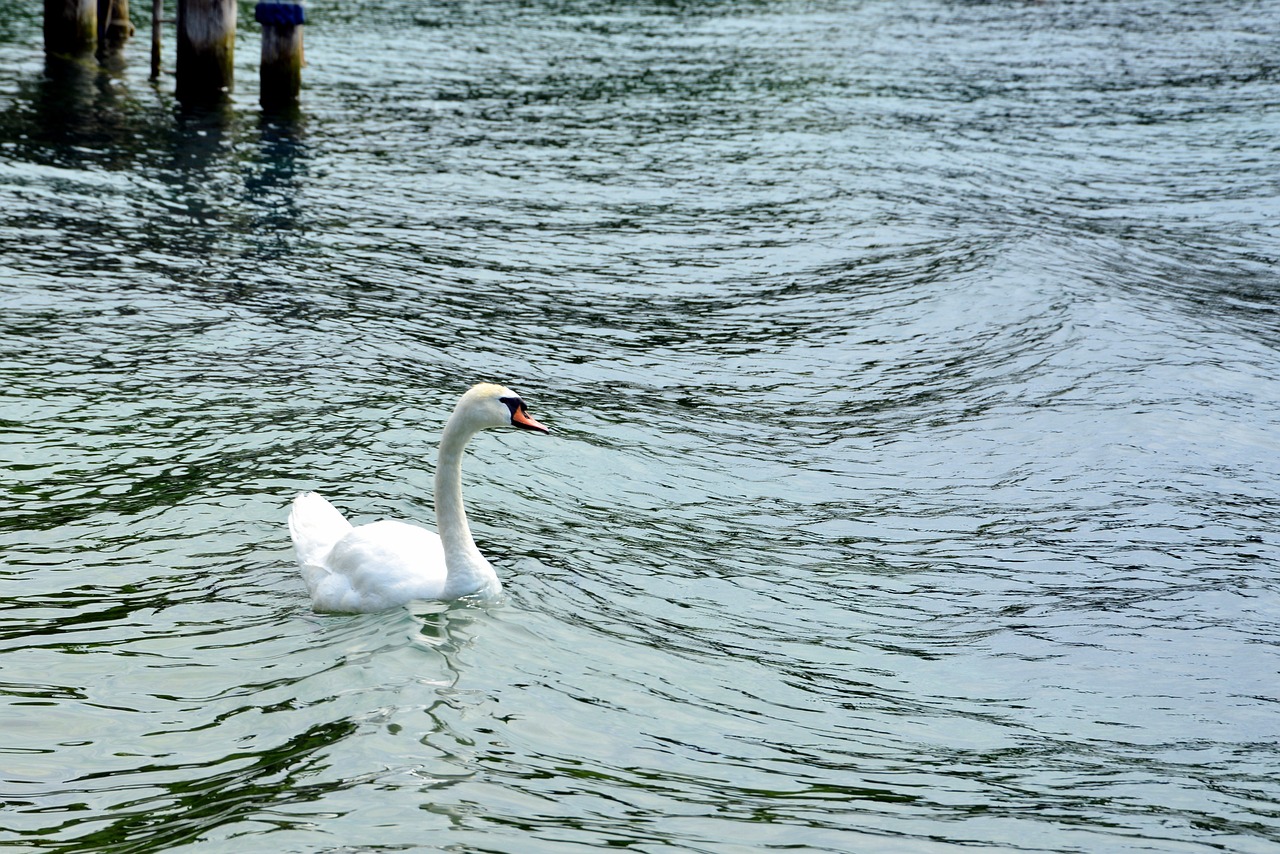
x=280 y=14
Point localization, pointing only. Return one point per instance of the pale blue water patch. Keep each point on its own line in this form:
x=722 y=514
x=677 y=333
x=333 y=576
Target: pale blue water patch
x=912 y=483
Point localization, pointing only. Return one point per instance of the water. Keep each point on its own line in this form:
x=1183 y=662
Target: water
x=914 y=377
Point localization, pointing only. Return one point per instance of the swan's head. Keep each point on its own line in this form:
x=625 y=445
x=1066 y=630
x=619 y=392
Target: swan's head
x=486 y=406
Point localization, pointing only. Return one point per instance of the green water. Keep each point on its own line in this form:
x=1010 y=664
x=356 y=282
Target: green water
x=912 y=372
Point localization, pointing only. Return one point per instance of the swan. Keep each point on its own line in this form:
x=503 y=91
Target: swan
x=383 y=564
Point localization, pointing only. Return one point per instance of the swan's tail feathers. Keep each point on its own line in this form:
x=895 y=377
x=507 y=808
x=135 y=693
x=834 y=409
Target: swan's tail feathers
x=315 y=526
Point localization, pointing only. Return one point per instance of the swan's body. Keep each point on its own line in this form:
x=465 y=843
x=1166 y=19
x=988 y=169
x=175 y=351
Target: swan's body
x=384 y=564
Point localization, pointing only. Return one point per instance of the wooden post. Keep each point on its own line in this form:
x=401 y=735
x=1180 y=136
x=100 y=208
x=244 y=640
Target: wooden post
x=157 y=14
x=206 y=49
x=114 y=26
x=70 y=26
x=281 y=69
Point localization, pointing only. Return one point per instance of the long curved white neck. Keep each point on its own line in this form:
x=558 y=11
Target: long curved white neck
x=468 y=571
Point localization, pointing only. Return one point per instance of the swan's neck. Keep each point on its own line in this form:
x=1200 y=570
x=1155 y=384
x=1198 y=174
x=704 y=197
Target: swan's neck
x=468 y=571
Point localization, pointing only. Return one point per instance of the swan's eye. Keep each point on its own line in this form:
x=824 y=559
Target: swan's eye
x=515 y=404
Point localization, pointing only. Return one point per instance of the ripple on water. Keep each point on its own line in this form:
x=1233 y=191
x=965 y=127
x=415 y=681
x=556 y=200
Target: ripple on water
x=911 y=370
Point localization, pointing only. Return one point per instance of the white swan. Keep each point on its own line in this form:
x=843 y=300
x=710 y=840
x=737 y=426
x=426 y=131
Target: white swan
x=388 y=563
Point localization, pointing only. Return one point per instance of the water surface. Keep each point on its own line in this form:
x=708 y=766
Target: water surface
x=913 y=376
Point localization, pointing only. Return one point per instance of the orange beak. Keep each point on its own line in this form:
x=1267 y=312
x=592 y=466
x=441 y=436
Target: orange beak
x=521 y=418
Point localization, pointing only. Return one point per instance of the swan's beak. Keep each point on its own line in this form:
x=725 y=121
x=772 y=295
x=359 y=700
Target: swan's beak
x=521 y=418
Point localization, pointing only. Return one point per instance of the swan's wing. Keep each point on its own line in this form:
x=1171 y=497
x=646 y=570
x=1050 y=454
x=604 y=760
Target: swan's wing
x=381 y=565
x=315 y=526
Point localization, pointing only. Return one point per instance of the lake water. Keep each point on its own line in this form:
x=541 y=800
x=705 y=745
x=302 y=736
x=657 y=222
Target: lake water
x=914 y=373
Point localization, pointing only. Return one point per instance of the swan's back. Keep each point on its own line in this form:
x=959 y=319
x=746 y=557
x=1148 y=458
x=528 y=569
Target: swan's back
x=381 y=565
x=369 y=568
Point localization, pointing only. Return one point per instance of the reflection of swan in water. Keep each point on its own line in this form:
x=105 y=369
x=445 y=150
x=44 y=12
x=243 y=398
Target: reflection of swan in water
x=383 y=564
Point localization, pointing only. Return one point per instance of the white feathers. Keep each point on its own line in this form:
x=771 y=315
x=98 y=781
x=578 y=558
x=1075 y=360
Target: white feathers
x=384 y=564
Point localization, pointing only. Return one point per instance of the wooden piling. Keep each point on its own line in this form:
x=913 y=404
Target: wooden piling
x=157 y=17
x=281 y=69
x=70 y=26
x=206 y=49
x=114 y=26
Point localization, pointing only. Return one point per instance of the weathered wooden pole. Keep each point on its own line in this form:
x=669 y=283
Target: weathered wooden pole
x=157 y=15
x=206 y=49
x=70 y=26
x=114 y=26
x=281 y=69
